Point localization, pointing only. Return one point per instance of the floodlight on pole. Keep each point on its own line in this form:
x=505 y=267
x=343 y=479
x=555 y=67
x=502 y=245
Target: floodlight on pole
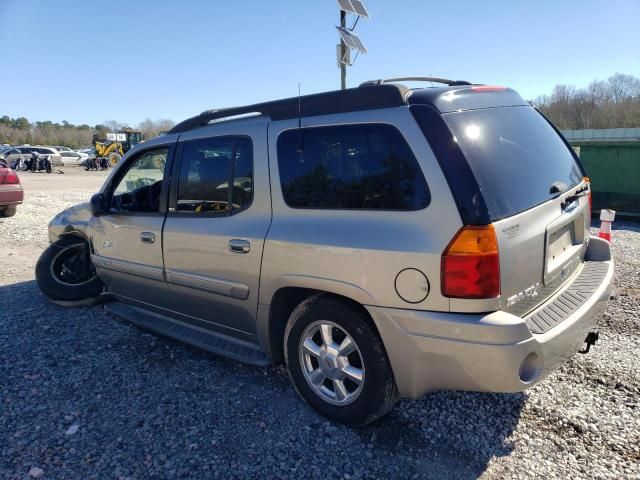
x=349 y=40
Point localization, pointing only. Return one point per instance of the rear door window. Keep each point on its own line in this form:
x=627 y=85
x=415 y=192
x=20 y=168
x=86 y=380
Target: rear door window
x=208 y=168
x=518 y=159
x=365 y=166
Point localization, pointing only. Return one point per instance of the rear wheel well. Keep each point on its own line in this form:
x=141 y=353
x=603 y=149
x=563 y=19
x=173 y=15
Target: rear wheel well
x=284 y=303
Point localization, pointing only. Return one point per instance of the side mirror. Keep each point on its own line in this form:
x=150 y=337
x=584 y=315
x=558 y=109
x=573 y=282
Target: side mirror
x=99 y=205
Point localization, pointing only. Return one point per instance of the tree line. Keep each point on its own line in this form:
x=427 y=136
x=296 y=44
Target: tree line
x=610 y=103
x=21 y=131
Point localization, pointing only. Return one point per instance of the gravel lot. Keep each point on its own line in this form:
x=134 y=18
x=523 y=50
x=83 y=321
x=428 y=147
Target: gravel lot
x=83 y=395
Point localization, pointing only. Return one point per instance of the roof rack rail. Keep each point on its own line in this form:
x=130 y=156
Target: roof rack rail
x=445 y=81
x=215 y=114
x=339 y=101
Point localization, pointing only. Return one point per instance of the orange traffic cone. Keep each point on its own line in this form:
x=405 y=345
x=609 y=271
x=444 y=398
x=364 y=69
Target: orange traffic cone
x=606 y=219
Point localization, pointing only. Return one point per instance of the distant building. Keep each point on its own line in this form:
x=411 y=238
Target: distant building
x=611 y=157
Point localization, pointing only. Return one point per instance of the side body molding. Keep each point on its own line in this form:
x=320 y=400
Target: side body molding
x=208 y=284
x=131 y=268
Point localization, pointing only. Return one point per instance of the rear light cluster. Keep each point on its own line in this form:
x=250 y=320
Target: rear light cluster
x=487 y=88
x=470 y=264
x=10 y=178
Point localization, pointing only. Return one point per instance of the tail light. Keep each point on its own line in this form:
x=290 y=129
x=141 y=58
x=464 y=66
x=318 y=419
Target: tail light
x=470 y=264
x=487 y=88
x=11 y=178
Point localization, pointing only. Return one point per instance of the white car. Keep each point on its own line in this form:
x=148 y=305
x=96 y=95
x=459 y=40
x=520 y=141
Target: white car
x=73 y=158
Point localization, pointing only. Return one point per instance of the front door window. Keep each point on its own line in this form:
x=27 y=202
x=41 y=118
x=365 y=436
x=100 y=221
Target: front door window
x=138 y=190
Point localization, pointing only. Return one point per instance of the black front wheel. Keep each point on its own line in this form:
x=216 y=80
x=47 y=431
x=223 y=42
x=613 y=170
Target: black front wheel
x=65 y=273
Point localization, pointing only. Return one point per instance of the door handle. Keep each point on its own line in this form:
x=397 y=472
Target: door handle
x=147 y=237
x=239 y=246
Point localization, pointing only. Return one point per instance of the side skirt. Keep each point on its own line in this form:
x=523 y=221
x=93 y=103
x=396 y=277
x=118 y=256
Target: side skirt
x=198 y=337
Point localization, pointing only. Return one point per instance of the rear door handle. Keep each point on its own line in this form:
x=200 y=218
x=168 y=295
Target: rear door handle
x=147 y=237
x=239 y=246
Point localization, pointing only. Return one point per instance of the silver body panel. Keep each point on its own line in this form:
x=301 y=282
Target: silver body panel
x=526 y=258
x=360 y=251
x=207 y=280
x=223 y=273
x=483 y=352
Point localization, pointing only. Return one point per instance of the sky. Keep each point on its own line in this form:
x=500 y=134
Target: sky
x=88 y=61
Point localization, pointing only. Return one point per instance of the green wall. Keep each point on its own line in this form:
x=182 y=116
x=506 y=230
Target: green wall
x=614 y=171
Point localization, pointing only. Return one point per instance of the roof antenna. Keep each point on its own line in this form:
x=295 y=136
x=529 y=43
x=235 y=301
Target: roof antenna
x=300 y=137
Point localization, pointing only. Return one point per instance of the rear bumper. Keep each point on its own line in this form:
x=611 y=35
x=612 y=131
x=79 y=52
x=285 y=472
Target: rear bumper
x=494 y=352
x=11 y=194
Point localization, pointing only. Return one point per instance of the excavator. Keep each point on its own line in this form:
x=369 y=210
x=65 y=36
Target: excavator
x=116 y=145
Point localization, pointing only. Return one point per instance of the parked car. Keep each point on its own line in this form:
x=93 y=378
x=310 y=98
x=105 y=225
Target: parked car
x=3 y=150
x=381 y=241
x=73 y=158
x=11 y=193
x=24 y=152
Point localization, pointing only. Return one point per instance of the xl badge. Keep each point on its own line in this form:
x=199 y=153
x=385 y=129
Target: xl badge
x=530 y=292
x=107 y=244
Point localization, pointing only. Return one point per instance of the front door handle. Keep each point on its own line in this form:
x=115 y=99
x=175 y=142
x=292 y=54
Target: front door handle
x=239 y=246
x=147 y=237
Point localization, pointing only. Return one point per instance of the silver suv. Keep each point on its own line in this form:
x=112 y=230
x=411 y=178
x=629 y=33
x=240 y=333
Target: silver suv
x=15 y=154
x=381 y=241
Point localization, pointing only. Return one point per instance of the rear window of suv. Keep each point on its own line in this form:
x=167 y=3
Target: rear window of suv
x=365 y=166
x=515 y=155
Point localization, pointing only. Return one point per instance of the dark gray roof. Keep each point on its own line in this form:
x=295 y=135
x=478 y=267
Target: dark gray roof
x=368 y=96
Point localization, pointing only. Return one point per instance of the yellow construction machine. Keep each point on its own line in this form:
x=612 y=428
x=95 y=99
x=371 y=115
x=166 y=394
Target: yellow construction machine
x=116 y=145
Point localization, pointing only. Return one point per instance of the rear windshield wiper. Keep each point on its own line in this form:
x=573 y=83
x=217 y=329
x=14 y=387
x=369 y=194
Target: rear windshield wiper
x=581 y=192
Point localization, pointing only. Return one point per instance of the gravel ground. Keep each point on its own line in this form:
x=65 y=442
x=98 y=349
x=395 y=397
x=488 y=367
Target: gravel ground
x=83 y=395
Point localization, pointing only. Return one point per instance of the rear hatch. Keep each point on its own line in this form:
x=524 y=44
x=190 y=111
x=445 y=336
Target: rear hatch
x=535 y=194
x=522 y=177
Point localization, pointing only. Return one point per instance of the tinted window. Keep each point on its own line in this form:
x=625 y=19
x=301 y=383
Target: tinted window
x=138 y=189
x=351 y=167
x=205 y=171
x=515 y=155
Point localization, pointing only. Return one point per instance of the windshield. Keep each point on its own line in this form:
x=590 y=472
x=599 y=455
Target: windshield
x=518 y=159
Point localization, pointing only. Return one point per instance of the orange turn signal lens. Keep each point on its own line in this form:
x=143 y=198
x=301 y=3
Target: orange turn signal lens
x=587 y=180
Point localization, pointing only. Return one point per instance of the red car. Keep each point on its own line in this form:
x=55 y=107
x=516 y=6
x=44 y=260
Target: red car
x=11 y=193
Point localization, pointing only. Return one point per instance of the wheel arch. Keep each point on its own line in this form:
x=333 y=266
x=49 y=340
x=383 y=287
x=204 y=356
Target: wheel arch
x=273 y=317
x=71 y=231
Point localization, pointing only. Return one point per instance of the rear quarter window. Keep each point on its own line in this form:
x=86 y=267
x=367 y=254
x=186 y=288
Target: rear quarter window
x=365 y=166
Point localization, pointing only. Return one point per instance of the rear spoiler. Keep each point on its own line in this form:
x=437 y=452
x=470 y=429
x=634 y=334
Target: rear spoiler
x=463 y=97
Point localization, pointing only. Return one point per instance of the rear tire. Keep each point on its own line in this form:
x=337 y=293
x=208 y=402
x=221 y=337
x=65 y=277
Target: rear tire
x=65 y=274
x=363 y=395
x=9 y=211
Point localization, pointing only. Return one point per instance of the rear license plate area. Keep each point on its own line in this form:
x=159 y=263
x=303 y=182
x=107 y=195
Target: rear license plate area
x=563 y=249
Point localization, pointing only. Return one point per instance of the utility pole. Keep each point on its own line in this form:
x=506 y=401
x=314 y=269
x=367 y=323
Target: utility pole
x=343 y=52
x=349 y=40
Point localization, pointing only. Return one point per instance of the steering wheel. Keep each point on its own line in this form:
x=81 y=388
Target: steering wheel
x=153 y=196
x=126 y=202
